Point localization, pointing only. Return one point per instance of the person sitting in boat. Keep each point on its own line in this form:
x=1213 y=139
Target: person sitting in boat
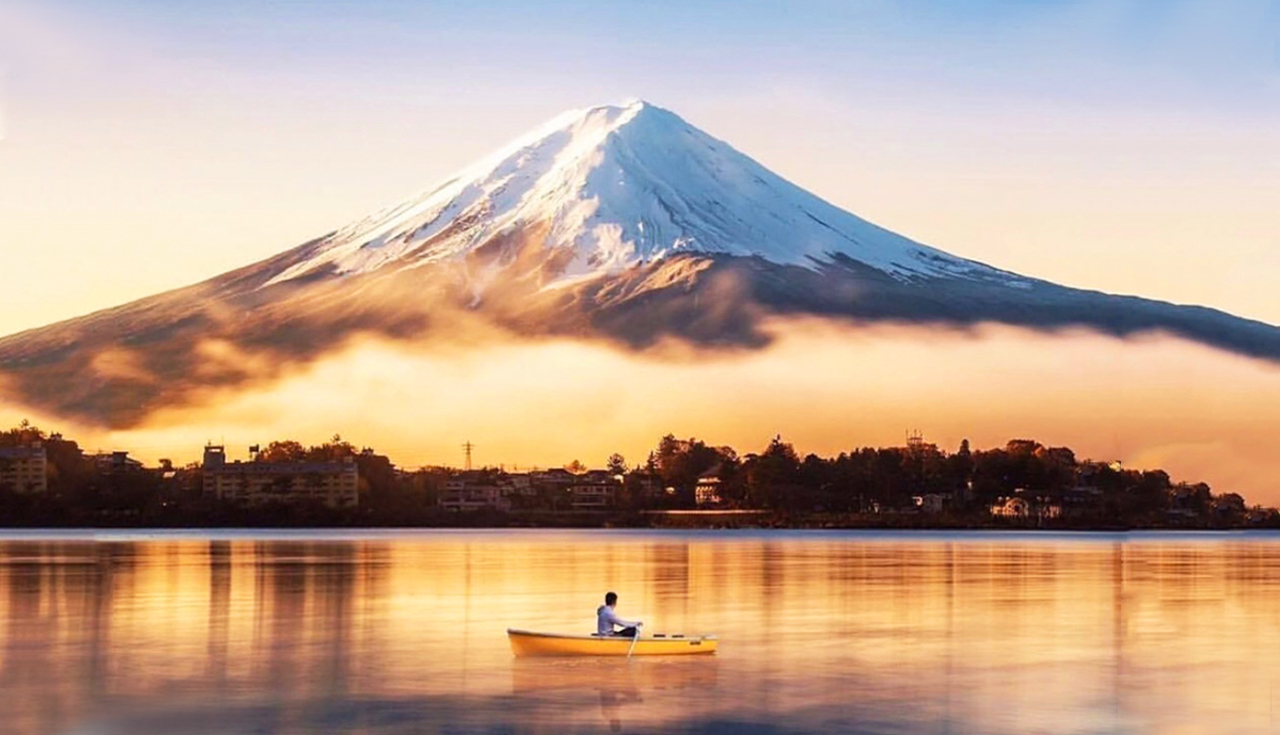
x=607 y=619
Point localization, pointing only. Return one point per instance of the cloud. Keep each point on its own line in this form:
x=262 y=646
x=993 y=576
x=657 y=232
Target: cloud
x=120 y=364
x=1158 y=401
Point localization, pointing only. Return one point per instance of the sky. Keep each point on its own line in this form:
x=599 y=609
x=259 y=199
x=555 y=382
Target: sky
x=1129 y=147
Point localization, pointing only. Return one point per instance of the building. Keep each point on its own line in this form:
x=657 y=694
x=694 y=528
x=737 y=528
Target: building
x=472 y=491
x=335 y=484
x=594 y=490
x=517 y=483
x=707 y=492
x=1011 y=508
x=931 y=503
x=552 y=478
x=24 y=469
x=593 y=495
x=114 y=463
x=1022 y=506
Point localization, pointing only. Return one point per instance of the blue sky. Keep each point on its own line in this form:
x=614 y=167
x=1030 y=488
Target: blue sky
x=1216 y=53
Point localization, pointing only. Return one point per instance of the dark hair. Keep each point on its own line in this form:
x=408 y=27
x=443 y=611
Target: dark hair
x=610 y=598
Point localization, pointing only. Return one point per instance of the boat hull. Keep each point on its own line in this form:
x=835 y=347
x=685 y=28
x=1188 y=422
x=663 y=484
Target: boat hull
x=529 y=643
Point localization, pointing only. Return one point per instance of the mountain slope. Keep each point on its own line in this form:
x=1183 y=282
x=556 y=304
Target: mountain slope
x=617 y=223
x=620 y=186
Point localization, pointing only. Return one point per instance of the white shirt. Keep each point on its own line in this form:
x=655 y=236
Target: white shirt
x=606 y=618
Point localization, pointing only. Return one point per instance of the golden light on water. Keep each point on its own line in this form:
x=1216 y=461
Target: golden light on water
x=1000 y=634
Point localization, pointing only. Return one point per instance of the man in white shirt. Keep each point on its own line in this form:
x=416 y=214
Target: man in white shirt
x=606 y=619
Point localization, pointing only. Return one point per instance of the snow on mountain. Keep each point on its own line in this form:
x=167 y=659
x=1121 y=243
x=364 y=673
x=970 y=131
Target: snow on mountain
x=616 y=186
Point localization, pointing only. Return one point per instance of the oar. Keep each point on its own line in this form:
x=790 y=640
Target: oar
x=634 y=638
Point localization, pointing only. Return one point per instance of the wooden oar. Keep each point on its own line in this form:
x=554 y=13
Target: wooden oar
x=634 y=638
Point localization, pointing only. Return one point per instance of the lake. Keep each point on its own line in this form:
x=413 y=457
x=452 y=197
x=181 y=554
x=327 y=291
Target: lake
x=391 y=633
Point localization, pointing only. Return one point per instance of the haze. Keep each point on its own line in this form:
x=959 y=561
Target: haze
x=1156 y=402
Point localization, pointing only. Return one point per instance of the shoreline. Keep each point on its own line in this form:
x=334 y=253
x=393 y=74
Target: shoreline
x=646 y=521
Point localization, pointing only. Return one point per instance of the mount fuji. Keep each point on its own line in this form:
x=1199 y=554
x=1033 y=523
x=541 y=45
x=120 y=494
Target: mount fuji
x=618 y=187
x=621 y=223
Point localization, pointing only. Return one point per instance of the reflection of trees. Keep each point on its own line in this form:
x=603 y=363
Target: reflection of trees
x=302 y=610
x=335 y=591
x=219 y=610
x=58 y=599
x=24 y=588
x=112 y=561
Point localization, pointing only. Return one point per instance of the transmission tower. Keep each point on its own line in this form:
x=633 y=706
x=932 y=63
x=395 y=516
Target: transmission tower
x=467 y=447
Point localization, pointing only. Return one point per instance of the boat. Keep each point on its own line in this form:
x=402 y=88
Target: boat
x=530 y=643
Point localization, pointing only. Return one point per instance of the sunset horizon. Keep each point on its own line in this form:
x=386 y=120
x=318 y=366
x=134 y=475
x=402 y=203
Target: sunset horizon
x=785 y=368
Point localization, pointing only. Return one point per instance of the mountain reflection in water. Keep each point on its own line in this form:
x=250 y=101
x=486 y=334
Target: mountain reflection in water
x=391 y=634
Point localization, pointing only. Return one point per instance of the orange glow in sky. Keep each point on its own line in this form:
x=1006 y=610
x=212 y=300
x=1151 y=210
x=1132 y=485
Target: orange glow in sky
x=1155 y=402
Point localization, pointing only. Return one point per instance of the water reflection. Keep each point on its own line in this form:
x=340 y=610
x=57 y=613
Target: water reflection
x=820 y=633
x=612 y=691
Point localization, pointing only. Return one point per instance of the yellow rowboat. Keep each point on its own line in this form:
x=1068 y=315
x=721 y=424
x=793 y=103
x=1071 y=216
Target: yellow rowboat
x=528 y=643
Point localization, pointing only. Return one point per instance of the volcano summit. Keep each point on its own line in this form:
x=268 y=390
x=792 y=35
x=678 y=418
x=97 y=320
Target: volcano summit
x=617 y=187
x=622 y=223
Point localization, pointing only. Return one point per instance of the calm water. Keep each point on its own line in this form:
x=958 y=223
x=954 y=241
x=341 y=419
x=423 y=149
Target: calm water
x=384 y=634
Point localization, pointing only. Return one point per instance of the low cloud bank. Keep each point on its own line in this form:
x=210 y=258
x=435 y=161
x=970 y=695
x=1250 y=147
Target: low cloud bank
x=1154 y=401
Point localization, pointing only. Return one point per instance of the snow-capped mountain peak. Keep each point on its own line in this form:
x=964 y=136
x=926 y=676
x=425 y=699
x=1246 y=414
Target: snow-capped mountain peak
x=576 y=231
x=609 y=187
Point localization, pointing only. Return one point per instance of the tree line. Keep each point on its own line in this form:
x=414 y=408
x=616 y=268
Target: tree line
x=853 y=488
x=969 y=482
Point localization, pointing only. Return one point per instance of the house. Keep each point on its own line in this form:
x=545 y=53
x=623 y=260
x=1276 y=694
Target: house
x=517 y=483
x=1011 y=508
x=335 y=484
x=707 y=492
x=553 y=478
x=471 y=491
x=24 y=469
x=931 y=503
x=1025 y=506
x=594 y=490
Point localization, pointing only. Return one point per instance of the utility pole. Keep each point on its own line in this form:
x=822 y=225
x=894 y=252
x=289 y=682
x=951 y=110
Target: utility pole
x=467 y=447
